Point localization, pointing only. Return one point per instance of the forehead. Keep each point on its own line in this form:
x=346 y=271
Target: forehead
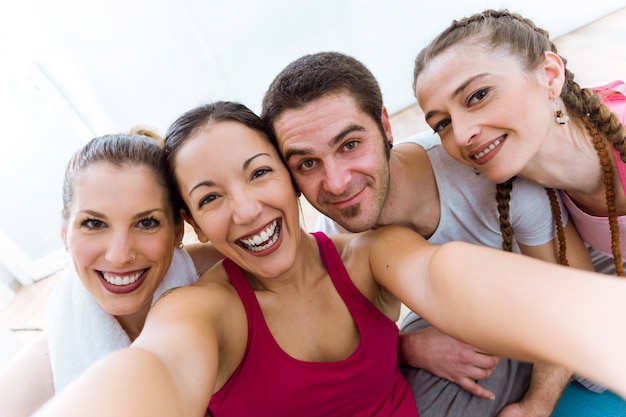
x=456 y=66
x=106 y=187
x=222 y=142
x=318 y=121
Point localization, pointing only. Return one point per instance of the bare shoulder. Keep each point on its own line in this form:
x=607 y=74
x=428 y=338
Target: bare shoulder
x=410 y=151
x=351 y=245
x=212 y=298
x=204 y=256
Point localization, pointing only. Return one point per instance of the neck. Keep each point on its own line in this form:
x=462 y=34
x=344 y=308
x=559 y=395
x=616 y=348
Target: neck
x=413 y=199
x=133 y=323
x=300 y=273
x=568 y=161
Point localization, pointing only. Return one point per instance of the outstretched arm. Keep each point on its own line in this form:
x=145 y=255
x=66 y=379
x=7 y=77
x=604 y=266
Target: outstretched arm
x=508 y=304
x=171 y=369
x=549 y=381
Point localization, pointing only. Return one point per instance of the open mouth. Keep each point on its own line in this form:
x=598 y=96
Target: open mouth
x=487 y=149
x=121 y=281
x=263 y=240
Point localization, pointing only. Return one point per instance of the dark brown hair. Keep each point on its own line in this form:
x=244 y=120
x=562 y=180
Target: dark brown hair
x=190 y=122
x=319 y=75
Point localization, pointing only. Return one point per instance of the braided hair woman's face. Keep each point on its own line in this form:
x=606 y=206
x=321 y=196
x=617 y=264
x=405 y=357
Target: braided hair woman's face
x=490 y=112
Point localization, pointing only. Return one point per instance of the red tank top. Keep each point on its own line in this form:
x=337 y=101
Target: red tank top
x=269 y=382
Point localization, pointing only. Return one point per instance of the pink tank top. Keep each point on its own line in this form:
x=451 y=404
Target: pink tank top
x=269 y=382
x=595 y=230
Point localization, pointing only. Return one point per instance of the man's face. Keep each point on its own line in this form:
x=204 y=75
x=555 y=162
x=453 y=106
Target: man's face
x=337 y=155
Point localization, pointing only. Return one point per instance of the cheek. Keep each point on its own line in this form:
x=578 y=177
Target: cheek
x=214 y=224
x=307 y=184
x=450 y=146
x=84 y=250
x=159 y=247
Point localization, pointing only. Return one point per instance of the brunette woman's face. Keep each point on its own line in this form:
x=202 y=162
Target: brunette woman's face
x=490 y=113
x=240 y=196
x=121 y=235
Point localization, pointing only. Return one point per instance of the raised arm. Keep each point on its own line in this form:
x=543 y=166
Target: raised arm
x=508 y=304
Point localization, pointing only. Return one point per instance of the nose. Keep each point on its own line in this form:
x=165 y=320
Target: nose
x=336 y=177
x=120 y=249
x=465 y=130
x=246 y=208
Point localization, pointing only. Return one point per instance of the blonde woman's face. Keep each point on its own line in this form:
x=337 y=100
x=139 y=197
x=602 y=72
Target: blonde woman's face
x=490 y=113
x=121 y=235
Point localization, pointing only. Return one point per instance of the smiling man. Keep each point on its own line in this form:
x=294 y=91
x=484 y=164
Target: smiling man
x=327 y=115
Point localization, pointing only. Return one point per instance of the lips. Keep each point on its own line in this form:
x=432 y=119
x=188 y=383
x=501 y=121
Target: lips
x=263 y=240
x=483 y=155
x=121 y=280
x=123 y=283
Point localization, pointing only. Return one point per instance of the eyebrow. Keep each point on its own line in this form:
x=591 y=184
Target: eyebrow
x=245 y=166
x=333 y=141
x=456 y=92
x=144 y=213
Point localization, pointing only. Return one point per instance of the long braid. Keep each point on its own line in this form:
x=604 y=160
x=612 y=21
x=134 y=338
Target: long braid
x=503 y=197
x=600 y=121
x=560 y=232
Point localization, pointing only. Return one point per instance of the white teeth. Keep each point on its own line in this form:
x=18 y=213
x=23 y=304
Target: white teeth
x=119 y=281
x=263 y=240
x=487 y=150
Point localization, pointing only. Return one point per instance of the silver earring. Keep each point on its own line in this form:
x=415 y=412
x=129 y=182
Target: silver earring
x=560 y=117
x=476 y=171
x=181 y=245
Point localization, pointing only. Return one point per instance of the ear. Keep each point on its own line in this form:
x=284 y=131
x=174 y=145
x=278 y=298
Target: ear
x=63 y=231
x=179 y=232
x=552 y=70
x=384 y=118
x=201 y=236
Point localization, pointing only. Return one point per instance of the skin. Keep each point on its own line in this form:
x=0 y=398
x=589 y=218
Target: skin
x=102 y=235
x=209 y=318
x=488 y=101
x=336 y=155
x=485 y=98
x=115 y=213
x=355 y=194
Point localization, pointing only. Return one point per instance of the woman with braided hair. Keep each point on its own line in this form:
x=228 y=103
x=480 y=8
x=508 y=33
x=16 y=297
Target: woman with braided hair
x=494 y=88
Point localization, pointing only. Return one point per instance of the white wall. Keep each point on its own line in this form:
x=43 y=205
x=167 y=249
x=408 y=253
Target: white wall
x=76 y=69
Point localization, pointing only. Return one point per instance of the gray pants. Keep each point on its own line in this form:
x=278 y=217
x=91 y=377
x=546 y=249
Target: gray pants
x=437 y=397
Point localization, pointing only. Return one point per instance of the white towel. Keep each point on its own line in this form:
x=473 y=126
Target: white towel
x=80 y=332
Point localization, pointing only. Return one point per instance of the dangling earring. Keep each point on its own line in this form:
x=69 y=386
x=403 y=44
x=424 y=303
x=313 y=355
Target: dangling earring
x=560 y=117
x=476 y=171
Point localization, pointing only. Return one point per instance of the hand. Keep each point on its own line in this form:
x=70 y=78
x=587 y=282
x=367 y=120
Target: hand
x=449 y=359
